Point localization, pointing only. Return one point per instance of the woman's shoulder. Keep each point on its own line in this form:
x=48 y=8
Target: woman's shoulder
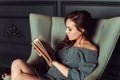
x=84 y=49
x=91 y=46
x=87 y=45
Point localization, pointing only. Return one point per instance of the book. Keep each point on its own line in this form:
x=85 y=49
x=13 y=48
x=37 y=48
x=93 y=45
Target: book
x=44 y=49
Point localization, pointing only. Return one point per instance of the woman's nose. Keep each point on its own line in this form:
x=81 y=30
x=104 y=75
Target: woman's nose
x=66 y=31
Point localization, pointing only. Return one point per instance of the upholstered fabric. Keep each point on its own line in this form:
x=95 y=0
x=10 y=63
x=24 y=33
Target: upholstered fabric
x=58 y=31
x=53 y=30
x=106 y=36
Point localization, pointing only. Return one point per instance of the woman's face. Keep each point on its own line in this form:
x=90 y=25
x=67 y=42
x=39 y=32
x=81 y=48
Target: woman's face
x=71 y=31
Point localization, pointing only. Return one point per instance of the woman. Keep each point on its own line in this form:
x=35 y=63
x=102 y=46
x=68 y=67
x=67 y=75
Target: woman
x=76 y=57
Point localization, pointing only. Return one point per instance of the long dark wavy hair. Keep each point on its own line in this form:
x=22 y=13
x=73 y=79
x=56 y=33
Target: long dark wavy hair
x=82 y=19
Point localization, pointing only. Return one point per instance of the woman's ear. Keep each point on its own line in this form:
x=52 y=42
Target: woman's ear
x=82 y=30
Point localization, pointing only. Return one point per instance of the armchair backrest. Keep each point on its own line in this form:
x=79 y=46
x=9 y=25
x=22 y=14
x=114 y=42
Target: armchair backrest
x=106 y=36
x=53 y=30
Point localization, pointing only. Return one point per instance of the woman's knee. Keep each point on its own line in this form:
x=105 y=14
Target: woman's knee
x=17 y=62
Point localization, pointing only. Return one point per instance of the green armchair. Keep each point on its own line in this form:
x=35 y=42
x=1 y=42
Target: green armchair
x=52 y=29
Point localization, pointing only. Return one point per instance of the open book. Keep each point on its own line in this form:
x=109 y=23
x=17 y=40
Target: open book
x=44 y=49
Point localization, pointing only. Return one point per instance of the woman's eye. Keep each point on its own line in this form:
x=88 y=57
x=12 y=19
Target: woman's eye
x=70 y=29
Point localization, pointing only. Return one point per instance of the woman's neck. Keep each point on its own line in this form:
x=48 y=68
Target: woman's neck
x=81 y=42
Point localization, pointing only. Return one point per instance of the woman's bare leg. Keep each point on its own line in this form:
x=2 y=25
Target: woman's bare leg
x=20 y=70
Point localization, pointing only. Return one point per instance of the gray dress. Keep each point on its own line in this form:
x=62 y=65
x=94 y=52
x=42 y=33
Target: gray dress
x=80 y=61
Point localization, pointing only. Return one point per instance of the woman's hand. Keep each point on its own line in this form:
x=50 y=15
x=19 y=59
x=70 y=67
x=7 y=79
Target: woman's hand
x=37 y=52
